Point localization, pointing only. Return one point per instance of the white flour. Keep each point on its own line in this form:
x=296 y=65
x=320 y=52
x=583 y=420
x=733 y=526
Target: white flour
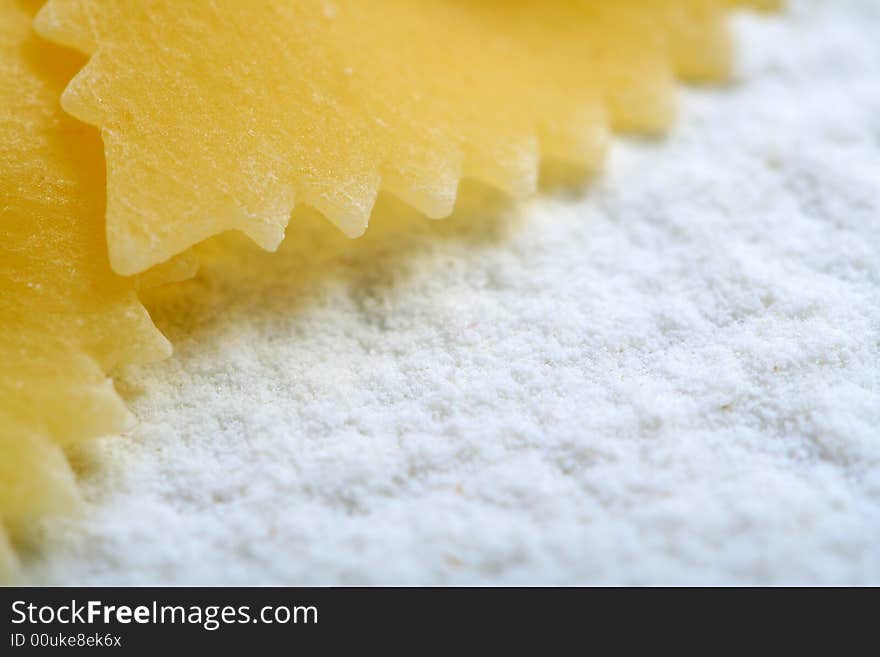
x=672 y=377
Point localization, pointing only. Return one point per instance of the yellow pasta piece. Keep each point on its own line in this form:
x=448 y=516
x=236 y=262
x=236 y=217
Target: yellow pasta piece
x=65 y=318
x=762 y=5
x=221 y=115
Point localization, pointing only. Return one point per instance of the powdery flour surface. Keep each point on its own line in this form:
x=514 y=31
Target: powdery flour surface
x=672 y=376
